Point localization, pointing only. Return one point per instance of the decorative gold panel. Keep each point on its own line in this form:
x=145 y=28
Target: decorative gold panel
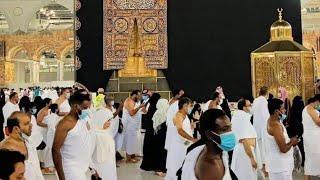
x=292 y=70
x=264 y=70
x=290 y=74
x=135 y=67
x=119 y=20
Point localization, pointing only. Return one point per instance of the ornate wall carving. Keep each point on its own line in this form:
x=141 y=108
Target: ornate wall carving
x=264 y=70
x=290 y=74
x=119 y=17
x=35 y=43
x=60 y=42
x=293 y=71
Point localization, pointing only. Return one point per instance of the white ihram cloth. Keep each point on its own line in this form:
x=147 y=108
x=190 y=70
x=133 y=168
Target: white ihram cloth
x=104 y=153
x=131 y=125
x=53 y=95
x=311 y=144
x=36 y=134
x=278 y=164
x=8 y=109
x=45 y=94
x=114 y=126
x=32 y=164
x=52 y=120
x=65 y=107
x=191 y=161
x=75 y=152
x=177 y=150
x=241 y=163
x=172 y=111
x=260 y=119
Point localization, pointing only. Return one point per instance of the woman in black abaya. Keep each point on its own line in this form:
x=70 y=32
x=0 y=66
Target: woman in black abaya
x=148 y=143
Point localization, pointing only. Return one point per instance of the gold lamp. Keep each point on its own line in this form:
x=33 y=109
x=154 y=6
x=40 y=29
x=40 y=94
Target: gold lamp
x=282 y=62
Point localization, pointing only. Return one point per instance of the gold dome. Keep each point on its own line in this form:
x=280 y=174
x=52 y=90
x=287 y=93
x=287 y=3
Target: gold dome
x=281 y=29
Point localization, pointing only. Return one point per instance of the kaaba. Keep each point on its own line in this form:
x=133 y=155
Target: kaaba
x=209 y=43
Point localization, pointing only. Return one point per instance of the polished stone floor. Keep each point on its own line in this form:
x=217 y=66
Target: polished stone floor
x=126 y=172
x=133 y=172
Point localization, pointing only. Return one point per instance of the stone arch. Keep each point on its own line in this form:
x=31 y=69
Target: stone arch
x=38 y=51
x=66 y=50
x=13 y=52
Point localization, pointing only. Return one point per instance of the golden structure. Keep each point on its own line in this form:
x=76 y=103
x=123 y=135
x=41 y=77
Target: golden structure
x=121 y=17
x=34 y=44
x=282 y=62
x=135 y=65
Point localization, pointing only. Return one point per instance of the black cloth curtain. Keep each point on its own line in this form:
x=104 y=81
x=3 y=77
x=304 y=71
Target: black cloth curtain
x=209 y=43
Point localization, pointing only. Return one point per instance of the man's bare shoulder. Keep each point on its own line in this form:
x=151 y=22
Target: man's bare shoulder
x=178 y=117
x=273 y=126
x=43 y=111
x=209 y=167
x=14 y=145
x=68 y=122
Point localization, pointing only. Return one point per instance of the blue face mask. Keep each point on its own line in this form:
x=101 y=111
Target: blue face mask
x=283 y=117
x=84 y=114
x=228 y=141
x=189 y=111
x=34 y=111
x=145 y=97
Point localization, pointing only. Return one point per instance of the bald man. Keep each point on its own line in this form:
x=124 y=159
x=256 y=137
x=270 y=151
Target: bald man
x=19 y=127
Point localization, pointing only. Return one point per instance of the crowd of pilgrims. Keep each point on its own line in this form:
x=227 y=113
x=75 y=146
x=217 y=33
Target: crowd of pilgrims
x=79 y=135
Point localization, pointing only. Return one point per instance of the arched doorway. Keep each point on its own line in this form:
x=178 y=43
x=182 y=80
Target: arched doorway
x=68 y=66
x=23 y=67
x=48 y=69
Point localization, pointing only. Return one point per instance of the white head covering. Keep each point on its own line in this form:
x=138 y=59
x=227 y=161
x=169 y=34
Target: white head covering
x=160 y=115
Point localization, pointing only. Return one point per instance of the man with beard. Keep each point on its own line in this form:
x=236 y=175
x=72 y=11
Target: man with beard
x=19 y=128
x=131 y=120
x=71 y=149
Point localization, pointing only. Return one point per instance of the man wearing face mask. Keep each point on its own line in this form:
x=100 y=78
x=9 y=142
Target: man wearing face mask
x=131 y=120
x=10 y=107
x=19 y=127
x=182 y=137
x=311 y=125
x=279 y=151
x=246 y=155
x=63 y=102
x=103 y=126
x=71 y=149
x=205 y=159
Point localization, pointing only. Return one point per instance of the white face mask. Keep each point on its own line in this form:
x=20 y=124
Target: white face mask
x=112 y=103
x=68 y=95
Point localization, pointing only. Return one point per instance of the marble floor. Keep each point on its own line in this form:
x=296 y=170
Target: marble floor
x=133 y=172
x=126 y=172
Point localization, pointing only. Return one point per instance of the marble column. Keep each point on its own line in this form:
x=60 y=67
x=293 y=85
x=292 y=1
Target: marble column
x=60 y=70
x=35 y=72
